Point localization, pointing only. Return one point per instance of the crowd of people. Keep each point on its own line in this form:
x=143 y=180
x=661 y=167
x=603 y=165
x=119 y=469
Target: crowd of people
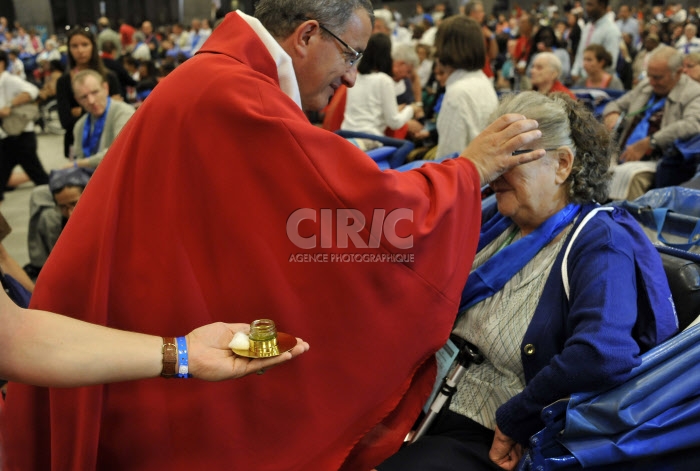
x=587 y=51
x=560 y=294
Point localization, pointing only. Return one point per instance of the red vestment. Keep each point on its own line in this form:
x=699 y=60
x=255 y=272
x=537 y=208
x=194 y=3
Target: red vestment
x=184 y=223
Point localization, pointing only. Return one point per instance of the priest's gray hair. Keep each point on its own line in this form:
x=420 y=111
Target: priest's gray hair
x=282 y=17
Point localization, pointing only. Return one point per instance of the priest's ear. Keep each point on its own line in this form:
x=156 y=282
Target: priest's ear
x=305 y=36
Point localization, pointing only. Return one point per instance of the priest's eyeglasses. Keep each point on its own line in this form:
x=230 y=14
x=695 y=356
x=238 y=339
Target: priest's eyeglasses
x=353 y=57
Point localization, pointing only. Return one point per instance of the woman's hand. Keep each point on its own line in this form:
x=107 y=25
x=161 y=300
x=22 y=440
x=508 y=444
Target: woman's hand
x=505 y=451
x=76 y=112
x=211 y=359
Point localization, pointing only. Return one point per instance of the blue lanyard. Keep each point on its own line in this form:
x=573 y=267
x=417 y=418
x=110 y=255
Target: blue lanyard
x=642 y=129
x=91 y=140
x=493 y=274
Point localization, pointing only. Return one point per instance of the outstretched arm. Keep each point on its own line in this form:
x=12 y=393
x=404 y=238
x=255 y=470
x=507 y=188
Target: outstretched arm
x=47 y=349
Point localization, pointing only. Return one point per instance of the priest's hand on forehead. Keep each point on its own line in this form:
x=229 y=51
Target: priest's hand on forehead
x=492 y=150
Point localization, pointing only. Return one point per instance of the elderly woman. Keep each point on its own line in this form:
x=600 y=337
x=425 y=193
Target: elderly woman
x=564 y=296
x=469 y=95
x=545 y=72
x=691 y=65
x=595 y=60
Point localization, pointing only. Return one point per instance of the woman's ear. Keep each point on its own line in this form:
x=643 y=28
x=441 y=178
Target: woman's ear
x=565 y=162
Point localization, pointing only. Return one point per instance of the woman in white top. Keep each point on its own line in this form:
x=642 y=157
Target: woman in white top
x=371 y=104
x=469 y=95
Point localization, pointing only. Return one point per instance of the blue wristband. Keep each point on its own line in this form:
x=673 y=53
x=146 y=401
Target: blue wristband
x=182 y=359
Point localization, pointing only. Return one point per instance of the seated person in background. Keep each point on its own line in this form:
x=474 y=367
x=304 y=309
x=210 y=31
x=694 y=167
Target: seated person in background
x=425 y=64
x=54 y=70
x=141 y=51
x=662 y=108
x=404 y=71
x=16 y=66
x=425 y=135
x=108 y=54
x=639 y=64
x=689 y=42
x=596 y=59
x=545 y=72
x=19 y=149
x=545 y=40
x=103 y=120
x=691 y=65
x=93 y=133
x=65 y=187
x=50 y=52
x=148 y=79
x=371 y=104
x=544 y=336
x=180 y=39
x=469 y=95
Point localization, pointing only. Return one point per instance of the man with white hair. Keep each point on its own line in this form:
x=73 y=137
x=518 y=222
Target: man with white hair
x=545 y=72
x=660 y=109
x=689 y=42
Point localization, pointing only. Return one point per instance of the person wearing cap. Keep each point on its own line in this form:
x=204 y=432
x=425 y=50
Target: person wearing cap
x=65 y=188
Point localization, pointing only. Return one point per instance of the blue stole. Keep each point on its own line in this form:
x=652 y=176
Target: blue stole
x=91 y=140
x=642 y=129
x=493 y=274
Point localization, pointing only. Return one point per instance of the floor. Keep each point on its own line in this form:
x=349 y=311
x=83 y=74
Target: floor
x=15 y=208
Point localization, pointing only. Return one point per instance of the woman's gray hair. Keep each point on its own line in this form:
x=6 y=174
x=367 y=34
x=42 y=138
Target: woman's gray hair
x=565 y=122
x=282 y=17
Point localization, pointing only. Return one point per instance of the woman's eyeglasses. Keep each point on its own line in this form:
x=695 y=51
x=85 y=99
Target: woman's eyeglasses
x=525 y=151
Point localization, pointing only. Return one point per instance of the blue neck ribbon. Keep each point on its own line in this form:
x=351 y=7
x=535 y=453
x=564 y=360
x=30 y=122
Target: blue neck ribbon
x=491 y=276
x=642 y=129
x=91 y=140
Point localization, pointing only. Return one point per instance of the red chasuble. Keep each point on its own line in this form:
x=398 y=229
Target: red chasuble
x=193 y=218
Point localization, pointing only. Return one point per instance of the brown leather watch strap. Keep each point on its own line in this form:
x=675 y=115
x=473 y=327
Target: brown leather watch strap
x=169 y=357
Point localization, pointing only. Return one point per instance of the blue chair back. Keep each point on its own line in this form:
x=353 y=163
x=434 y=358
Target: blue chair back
x=401 y=147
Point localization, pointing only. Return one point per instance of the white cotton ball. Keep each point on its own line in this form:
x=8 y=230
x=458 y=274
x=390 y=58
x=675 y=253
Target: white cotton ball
x=240 y=342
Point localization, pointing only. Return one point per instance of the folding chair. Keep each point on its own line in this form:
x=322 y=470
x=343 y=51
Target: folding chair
x=393 y=158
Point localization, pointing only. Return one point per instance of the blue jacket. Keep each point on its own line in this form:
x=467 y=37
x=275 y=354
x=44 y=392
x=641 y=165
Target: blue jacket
x=619 y=306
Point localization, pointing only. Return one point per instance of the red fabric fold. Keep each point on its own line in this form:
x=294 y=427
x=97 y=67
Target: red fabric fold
x=184 y=223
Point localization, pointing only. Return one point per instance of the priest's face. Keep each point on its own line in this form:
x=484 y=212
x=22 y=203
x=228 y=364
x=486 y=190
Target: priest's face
x=330 y=63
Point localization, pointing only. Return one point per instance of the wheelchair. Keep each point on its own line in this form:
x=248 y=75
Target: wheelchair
x=651 y=422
